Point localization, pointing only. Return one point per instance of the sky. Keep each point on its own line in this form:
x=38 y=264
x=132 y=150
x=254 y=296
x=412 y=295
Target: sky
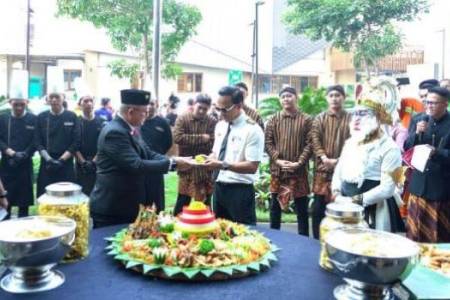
x=427 y=26
x=416 y=33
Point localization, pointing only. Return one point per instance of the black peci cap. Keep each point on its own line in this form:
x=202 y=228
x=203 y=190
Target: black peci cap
x=135 y=97
x=338 y=88
x=288 y=89
x=427 y=84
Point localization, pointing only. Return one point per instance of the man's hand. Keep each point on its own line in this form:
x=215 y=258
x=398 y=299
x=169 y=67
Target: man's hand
x=4 y=202
x=212 y=164
x=282 y=163
x=206 y=138
x=12 y=162
x=88 y=167
x=291 y=166
x=54 y=165
x=21 y=156
x=421 y=127
x=184 y=163
x=329 y=163
x=10 y=152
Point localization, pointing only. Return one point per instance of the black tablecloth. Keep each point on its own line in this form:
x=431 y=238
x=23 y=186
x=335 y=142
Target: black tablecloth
x=296 y=275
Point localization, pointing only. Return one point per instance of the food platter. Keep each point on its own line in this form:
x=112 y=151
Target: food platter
x=436 y=258
x=157 y=245
x=429 y=279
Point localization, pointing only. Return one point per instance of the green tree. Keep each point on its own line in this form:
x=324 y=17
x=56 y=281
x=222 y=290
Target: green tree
x=129 y=26
x=364 y=27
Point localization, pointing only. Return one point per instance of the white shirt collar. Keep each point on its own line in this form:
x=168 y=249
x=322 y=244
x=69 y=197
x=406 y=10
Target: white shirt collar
x=240 y=119
x=131 y=126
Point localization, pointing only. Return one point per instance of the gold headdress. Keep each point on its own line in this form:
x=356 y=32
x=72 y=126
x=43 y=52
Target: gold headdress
x=381 y=96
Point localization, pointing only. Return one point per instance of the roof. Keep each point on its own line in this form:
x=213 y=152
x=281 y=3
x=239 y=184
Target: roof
x=298 y=47
x=287 y=48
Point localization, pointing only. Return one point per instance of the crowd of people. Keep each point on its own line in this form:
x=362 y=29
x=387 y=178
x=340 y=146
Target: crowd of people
x=120 y=159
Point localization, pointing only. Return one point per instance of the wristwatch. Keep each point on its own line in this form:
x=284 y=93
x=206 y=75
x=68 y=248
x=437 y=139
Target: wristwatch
x=225 y=166
x=4 y=194
x=172 y=165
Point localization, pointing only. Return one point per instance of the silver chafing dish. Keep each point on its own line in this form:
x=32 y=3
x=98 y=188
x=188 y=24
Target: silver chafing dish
x=369 y=261
x=30 y=247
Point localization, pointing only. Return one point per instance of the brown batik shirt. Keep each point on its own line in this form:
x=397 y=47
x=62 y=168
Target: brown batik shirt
x=254 y=115
x=328 y=135
x=187 y=134
x=286 y=138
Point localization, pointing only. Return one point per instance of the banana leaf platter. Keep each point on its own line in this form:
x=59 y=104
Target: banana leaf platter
x=178 y=273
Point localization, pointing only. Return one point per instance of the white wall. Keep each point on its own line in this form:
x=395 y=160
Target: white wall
x=430 y=31
x=107 y=85
x=212 y=81
x=3 y=76
x=225 y=27
x=416 y=74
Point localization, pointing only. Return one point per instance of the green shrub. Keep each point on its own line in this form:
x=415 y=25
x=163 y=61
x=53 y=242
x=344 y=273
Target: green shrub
x=312 y=102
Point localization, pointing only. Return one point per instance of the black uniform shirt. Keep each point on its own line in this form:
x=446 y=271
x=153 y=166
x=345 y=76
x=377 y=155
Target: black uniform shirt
x=157 y=134
x=90 y=130
x=58 y=133
x=17 y=133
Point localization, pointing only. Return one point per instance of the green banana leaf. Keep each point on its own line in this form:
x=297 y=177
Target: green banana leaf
x=114 y=249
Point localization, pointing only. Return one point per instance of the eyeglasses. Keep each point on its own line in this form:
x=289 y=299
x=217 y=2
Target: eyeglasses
x=224 y=110
x=432 y=103
x=362 y=113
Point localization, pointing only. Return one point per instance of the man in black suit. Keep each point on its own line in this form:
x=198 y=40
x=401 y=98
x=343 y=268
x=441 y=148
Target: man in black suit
x=123 y=161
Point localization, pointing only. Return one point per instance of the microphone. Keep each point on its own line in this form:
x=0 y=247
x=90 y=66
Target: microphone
x=424 y=118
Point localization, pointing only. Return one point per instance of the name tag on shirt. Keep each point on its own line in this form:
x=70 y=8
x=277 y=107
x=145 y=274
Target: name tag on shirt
x=29 y=127
x=68 y=123
x=236 y=139
x=160 y=129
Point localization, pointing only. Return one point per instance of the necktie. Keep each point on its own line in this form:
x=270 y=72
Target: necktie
x=223 y=148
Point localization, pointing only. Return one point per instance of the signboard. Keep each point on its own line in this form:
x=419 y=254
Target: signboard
x=234 y=76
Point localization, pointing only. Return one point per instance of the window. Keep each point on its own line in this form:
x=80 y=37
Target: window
x=273 y=84
x=190 y=83
x=264 y=84
x=69 y=77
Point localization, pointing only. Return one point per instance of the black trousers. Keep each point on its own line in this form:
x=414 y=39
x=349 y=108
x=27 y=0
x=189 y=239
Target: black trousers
x=184 y=200
x=235 y=202
x=301 y=210
x=155 y=190
x=318 y=213
x=86 y=180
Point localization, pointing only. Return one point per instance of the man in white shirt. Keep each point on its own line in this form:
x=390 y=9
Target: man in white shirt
x=238 y=149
